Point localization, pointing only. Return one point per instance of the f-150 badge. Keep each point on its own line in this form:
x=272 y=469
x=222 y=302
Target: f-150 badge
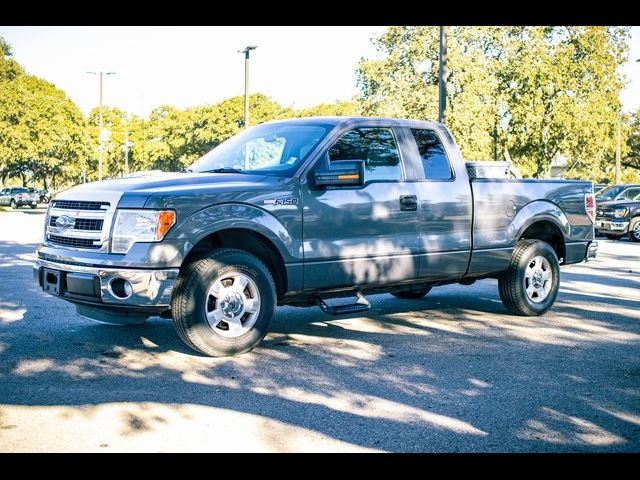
x=282 y=201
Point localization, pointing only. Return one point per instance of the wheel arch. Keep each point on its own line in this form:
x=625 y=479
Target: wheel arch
x=250 y=241
x=542 y=220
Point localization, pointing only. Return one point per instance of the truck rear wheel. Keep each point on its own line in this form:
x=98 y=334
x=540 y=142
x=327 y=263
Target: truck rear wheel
x=412 y=294
x=224 y=304
x=530 y=284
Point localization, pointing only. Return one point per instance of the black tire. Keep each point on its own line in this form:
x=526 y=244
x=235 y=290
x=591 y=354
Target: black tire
x=512 y=284
x=191 y=300
x=13 y=203
x=612 y=236
x=634 y=229
x=33 y=205
x=414 y=294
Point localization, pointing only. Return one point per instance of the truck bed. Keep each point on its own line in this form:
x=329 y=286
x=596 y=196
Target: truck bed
x=503 y=208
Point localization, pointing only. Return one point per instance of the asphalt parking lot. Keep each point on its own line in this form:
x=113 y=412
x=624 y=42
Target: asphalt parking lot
x=449 y=373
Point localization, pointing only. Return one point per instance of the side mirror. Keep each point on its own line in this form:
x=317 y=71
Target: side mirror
x=341 y=173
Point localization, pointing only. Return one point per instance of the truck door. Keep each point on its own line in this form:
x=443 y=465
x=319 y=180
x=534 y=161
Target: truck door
x=363 y=235
x=446 y=204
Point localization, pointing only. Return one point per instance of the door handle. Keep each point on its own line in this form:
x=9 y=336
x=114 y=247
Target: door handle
x=409 y=203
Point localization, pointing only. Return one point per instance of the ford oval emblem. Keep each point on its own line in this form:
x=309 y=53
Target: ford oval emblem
x=65 y=222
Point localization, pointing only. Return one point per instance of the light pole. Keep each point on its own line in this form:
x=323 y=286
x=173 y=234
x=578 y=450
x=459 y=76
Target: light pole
x=443 y=74
x=100 y=135
x=126 y=146
x=246 y=51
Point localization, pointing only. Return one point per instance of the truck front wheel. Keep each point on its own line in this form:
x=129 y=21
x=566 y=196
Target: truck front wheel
x=530 y=284
x=224 y=304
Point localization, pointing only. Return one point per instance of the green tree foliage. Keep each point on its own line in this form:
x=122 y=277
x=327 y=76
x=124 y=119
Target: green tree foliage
x=337 y=109
x=631 y=157
x=42 y=132
x=563 y=85
x=546 y=91
x=173 y=138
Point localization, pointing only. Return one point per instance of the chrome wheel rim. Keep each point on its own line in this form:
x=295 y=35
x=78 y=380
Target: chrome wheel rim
x=232 y=305
x=538 y=279
x=636 y=230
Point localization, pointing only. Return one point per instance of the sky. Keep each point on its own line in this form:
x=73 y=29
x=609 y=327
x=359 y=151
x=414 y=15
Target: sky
x=187 y=66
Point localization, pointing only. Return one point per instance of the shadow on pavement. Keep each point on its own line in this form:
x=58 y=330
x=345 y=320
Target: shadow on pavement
x=452 y=372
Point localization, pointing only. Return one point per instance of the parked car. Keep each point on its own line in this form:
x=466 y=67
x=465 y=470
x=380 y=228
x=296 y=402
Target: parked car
x=17 y=197
x=615 y=192
x=599 y=186
x=295 y=212
x=617 y=219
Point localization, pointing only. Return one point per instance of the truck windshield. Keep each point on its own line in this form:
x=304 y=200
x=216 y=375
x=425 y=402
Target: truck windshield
x=276 y=149
x=609 y=193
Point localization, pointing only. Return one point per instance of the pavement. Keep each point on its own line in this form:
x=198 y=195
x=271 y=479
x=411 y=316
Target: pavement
x=450 y=373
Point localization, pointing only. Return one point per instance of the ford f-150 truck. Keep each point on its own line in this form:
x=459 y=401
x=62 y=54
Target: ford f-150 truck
x=297 y=212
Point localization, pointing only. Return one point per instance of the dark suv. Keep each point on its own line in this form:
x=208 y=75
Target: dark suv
x=617 y=219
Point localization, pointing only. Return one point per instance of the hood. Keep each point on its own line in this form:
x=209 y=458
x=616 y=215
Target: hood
x=135 y=191
x=161 y=182
x=618 y=204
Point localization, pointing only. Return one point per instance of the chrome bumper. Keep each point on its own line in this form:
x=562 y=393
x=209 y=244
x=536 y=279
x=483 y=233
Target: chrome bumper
x=610 y=226
x=150 y=288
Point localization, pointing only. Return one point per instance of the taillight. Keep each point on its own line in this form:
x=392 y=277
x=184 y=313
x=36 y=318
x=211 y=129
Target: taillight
x=590 y=206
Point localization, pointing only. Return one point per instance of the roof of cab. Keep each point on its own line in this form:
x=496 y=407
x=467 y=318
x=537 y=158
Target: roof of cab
x=356 y=121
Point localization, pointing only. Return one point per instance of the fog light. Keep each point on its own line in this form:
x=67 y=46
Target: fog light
x=121 y=288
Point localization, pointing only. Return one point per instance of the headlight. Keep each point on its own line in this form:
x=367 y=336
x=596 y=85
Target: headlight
x=133 y=226
x=620 y=212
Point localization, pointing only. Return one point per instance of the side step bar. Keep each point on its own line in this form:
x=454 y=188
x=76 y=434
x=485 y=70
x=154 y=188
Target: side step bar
x=361 y=305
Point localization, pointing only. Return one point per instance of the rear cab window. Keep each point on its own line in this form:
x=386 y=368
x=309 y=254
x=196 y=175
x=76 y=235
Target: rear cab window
x=433 y=155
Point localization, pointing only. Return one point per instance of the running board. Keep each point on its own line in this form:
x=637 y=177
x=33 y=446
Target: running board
x=361 y=305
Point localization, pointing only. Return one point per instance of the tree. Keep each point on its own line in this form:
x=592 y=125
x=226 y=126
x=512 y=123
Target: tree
x=42 y=132
x=336 y=109
x=562 y=85
x=174 y=138
x=538 y=92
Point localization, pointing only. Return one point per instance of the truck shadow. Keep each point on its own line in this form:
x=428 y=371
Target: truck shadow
x=452 y=372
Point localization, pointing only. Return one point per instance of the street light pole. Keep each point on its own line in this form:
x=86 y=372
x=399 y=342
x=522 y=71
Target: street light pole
x=443 y=74
x=246 y=82
x=100 y=123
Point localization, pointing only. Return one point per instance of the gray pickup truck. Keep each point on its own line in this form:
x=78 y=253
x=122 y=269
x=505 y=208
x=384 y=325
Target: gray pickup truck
x=296 y=212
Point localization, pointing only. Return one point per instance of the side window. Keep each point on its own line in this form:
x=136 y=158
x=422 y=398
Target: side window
x=376 y=146
x=434 y=158
x=632 y=193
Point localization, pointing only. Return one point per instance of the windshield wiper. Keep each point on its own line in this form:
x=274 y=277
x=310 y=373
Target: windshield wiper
x=223 y=170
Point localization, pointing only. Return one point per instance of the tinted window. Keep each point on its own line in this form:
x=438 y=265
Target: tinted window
x=632 y=193
x=376 y=146
x=19 y=190
x=434 y=159
x=609 y=193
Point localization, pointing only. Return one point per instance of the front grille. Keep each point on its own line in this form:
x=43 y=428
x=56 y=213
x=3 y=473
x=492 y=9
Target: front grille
x=77 y=205
x=73 y=242
x=90 y=224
